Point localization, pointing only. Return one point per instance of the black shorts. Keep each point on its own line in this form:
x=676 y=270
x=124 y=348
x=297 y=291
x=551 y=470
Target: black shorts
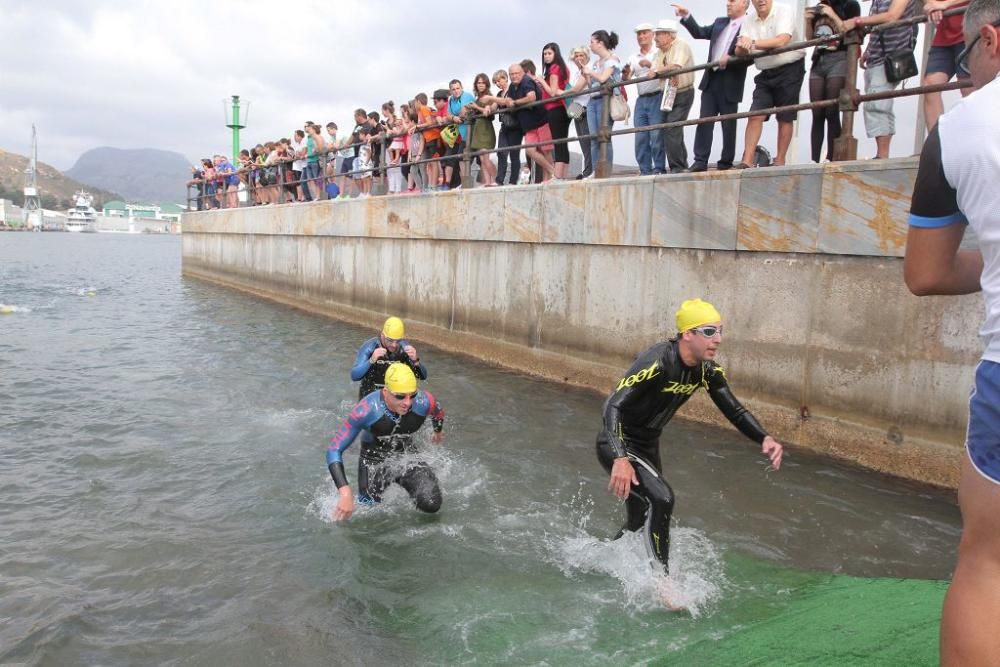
x=779 y=87
x=454 y=153
x=432 y=148
x=346 y=165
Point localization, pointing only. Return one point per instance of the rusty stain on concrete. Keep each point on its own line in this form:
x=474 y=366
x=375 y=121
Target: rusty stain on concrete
x=752 y=232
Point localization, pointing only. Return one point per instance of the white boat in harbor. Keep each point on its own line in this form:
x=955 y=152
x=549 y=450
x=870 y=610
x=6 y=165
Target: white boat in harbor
x=82 y=217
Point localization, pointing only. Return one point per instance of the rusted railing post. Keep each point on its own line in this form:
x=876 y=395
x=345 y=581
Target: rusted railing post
x=383 y=173
x=467 y=158
x=845 y=147
x=603 y=168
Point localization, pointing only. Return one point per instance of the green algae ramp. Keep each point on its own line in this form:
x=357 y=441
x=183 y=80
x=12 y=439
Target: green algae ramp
x=836 y=620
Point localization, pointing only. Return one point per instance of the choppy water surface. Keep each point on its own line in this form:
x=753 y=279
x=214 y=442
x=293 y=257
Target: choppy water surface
x=163 y=495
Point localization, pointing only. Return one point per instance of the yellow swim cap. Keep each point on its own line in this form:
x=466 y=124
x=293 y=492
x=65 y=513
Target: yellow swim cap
x=399 y=379
x=694 y=313
x=393 y=328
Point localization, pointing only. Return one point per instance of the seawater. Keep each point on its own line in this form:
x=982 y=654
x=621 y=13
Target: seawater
x=164 y=497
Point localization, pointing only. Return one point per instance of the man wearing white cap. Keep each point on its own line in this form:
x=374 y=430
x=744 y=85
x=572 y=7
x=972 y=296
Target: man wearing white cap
x=674 y=53
x=649 y=151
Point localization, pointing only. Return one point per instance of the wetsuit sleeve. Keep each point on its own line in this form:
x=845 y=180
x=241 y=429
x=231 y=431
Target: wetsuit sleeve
x=418 y=368
x=637 y=381
x=435 y=412
x=935 y=201
x=734 y=411
x=361 y=363
x=359 y=419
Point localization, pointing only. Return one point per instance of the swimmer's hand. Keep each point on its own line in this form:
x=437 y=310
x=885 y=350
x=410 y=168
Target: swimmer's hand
x=377 y=354
x=411 y=352
x=345 y=504
x=622 y=477
x=437 y=437
x=773 y=450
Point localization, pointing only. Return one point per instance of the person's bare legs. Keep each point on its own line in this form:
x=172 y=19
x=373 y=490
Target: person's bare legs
x=539 y=159
x=784 y=140
x=882 y=146
x=971 y=618
x=933 y=104
x=755 y=126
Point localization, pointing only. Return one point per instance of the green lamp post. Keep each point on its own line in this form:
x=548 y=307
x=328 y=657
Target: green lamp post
x=237 y=123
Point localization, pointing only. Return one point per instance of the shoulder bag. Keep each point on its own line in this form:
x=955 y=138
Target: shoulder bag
x=900 y=65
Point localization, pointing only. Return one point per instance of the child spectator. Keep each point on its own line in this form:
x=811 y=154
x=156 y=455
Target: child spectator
x=363 y=162
x=394 y=173
x=417 y=179
x=432 y=139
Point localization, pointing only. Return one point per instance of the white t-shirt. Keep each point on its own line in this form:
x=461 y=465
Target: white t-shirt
x=638 y=71
x=298 y=165
x=780 y=21
x=970 y=158
x=611 y=61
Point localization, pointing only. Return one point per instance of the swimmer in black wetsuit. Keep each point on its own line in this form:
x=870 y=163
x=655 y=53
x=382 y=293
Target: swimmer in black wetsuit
x=387 y=418
x=377 y=353
x=659 y=382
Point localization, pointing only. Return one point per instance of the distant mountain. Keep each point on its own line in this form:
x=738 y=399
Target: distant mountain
x=142 y=175
x=55 y=188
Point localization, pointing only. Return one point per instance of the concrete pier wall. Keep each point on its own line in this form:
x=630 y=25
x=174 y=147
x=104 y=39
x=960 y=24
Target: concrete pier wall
x=569 y=281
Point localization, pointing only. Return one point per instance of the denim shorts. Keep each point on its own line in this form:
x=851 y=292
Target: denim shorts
x=983 y=439
x=829 y=64
x=944 y=59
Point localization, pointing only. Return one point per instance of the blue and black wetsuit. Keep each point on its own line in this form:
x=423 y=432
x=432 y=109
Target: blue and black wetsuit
x=653 y=389
x=372 y=376
x=386 y=435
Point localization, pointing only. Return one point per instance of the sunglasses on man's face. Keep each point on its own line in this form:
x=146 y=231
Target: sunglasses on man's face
x=710 y=331
x=403 y=397
x=963 y=58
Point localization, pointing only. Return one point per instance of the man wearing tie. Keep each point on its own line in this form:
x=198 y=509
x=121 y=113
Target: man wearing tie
x=722 y=88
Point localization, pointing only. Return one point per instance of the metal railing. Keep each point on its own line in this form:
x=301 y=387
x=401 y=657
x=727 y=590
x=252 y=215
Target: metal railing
x=848 y=103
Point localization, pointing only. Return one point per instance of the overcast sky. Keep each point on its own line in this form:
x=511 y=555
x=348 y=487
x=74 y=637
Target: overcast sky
x=145 y=74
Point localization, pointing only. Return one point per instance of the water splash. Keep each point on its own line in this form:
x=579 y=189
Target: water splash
x=696 y=582
x=697 y=579
x=460 y=478
x=6 y=309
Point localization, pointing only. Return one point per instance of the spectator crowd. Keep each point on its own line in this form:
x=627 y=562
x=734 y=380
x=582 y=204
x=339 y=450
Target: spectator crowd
x=419 y=147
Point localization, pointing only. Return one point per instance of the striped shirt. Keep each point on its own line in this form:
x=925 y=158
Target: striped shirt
x=894 y=39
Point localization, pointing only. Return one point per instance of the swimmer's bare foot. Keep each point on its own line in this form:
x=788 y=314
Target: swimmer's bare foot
x=667 y=595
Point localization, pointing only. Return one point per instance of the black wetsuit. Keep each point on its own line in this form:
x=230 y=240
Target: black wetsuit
x=657 y=384
x=385 y=436
x=372 y=375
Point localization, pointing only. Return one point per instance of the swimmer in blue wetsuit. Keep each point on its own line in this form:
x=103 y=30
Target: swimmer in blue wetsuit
x=659 y=382
x=377 y=353
x=387 y=418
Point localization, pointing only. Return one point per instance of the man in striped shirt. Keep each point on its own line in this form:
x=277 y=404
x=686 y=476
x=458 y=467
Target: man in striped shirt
x=880 y=121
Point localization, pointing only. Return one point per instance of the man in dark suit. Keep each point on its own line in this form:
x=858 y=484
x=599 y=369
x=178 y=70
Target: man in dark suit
x=721 y=88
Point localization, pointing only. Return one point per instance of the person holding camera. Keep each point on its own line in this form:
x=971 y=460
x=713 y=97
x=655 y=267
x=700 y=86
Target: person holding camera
x=829 y=68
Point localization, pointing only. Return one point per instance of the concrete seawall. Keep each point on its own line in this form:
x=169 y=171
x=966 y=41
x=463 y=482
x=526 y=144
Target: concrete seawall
x=569 y=281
